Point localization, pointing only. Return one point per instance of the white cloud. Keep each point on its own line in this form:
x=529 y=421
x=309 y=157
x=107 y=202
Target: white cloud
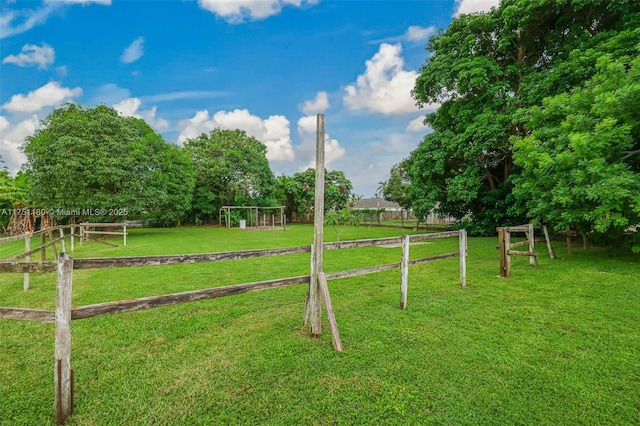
x=12 y=137
x=13 y=22
x=237 y=11
x=274 y=131
x=51 y=94
x=417 y=33
x=31 y=55
x=385 y=87
x=473 y=6
x=193 y=94
x=307 y=128
x=318 y=105
x=130 y=108
x=82 y=2
x=416 y=125
x=108 y=94
x=134 y=51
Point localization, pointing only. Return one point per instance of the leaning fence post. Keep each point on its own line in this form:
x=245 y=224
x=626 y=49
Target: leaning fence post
x=62 y=370
x=27 y=247
x=462 y=242
x=404 y=285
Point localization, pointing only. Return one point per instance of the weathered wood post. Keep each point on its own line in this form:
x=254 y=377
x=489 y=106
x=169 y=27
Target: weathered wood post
x=462 y=242
x=43 y=252
x=533 y=260
x=318 y=221
x=27 y=248
x=404 y=284
x=73 y=230
x=62 y=369
x=552 y=254
x=503 y=253
x=333 y=325
x=64 y=248
x=507 y=248
x=125 y=235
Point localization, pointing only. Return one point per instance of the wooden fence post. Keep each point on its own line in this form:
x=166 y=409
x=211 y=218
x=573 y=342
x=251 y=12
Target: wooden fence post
x=404 y=284
x=552 y=254
x=125 y=235
x=27 y=247
x=62 y=369
x=503 y=256
x=73 y=230
x=333 y=325
x=507 y=247
x=462 y=242
x=533 y=260
x=43 y=252
x=314 y=301
x=64 y=248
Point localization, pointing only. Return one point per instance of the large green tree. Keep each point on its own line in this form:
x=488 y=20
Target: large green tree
x=231 y=168
x=93 y=161
x=297 y=192
x=482 y=70
x=581 y=162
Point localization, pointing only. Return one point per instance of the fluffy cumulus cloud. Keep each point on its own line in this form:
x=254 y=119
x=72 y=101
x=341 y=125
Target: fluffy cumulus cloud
x=130 y=107
x=237 y=11
x=134 y=51
x=418 y=33
x=307 y=128
x=473 y=6
x=51 y=94
x=32 y=55
x=273 y=131
x=12 y=137
x=385 y=87
x=416 y=125
x=317 y=105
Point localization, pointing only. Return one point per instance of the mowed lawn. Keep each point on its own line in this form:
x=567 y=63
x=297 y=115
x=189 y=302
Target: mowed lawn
x=558 y=345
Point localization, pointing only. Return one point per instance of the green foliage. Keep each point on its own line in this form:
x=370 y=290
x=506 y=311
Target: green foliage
x=231 y=168
x=340 y=219
x=93 y=159
x=395 y=188
x=298 y=192
x=581 y=163
x=483 y=69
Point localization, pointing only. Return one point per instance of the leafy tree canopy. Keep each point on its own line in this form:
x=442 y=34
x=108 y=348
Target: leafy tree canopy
x=483 y=69
x=94 y=159
x=581 y=162
x=231 y=168
x=298 y=192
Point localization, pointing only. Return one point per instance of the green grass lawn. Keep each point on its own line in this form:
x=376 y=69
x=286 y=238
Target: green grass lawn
x=558 y=345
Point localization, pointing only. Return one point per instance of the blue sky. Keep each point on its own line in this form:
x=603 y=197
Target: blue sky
x=265 y=66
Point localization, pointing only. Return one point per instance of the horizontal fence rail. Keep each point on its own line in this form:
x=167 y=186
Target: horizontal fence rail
x=26 y=314
x=122 y=306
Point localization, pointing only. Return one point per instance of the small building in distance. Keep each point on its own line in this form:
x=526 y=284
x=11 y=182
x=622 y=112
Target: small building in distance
x=389 y=209
x=393 y=211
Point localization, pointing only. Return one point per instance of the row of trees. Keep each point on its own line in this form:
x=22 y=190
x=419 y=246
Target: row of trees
x=539 y=119
x=92 y=163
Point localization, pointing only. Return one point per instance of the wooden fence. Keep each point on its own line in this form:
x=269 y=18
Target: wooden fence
x=65 y=313
x=505 y=246
x=85 y=230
